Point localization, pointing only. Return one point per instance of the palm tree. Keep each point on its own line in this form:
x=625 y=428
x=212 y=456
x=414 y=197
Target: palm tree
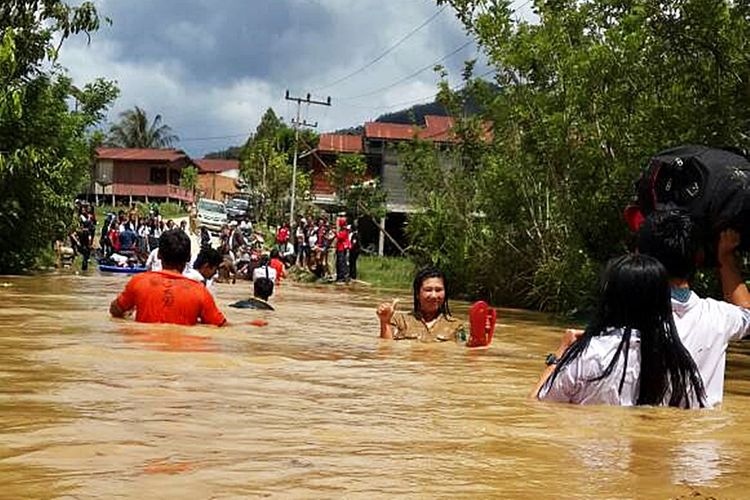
x=134 y=131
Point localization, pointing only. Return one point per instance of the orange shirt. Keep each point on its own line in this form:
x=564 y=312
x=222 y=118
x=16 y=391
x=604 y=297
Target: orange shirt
x=278 y=266
x=168 y=297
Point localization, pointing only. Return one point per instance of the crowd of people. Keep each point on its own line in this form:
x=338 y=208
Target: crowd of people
x=651 y=341
x=318 y=243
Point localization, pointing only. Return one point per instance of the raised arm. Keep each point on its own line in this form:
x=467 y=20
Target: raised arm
x=385 y=313
x=733 y=286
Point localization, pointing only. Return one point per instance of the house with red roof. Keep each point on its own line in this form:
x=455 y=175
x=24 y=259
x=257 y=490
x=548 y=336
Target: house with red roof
x=379 y=144
x=139 y=175
x=218 y=179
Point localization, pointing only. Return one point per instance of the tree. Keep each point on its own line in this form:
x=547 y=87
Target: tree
x=358 y=194
x=45 y=148
x=134 y=131
x=189 y=178
x=266 y=165
x=586 y=94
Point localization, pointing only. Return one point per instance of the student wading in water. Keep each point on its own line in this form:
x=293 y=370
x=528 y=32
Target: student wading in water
x=430 y=321
x=631 y=353
x=705 y=326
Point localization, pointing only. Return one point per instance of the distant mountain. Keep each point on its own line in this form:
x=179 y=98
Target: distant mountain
x=416 y=114
x=358 y=130
x=231 y=153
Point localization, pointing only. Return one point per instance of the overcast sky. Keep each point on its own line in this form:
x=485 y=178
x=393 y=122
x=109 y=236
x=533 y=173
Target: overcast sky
x=212 y=67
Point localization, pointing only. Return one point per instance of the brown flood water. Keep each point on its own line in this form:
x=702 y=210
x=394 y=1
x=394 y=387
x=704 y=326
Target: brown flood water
x=315 y=406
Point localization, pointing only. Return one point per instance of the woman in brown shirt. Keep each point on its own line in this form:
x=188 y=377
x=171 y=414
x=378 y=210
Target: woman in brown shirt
x=430 y=321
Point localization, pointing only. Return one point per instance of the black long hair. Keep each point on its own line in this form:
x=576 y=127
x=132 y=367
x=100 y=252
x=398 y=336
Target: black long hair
x=425 y=274
x=634 y=295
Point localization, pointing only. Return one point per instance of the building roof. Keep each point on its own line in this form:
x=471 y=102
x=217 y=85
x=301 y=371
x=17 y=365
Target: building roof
x=378 y=130
x=340 y=143
x=206 y=166
x=437 y=128
x=134 y=154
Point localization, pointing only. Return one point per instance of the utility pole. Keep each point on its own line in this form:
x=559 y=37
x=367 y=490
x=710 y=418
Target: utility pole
x=297 y=124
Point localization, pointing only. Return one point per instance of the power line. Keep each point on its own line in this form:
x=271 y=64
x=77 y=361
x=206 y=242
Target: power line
x=409 y=77
x=213 y=138
x=371 y=108
x=415 y=101
x=384 y=53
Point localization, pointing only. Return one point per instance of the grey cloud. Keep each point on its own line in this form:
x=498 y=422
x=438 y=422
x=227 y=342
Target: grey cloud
x=185 y=55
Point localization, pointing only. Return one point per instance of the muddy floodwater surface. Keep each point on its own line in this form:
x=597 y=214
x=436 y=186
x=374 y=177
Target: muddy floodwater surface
x=314 y=405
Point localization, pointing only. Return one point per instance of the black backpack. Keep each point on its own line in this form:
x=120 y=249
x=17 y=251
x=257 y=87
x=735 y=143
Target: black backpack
x=713 y=185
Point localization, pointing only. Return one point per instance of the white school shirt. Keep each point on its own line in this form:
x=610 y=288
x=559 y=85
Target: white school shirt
x=195 y=275
x=153 y=263
x=264 y=272
x=705 y=327
x=574 y=385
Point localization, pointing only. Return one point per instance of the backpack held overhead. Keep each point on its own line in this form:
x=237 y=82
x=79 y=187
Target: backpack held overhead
x=712 y=185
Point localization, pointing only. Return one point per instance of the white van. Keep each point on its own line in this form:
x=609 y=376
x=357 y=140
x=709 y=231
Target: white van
x=211 y=214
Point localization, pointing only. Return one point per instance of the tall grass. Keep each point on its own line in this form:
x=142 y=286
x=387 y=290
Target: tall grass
x=386 y=272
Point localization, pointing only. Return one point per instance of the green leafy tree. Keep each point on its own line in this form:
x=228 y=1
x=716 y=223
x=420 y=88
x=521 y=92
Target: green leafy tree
x=358 y=194
x=189 y=178
x=134 y=131
x=266 y=166
x=586 y=94
x=45 y=147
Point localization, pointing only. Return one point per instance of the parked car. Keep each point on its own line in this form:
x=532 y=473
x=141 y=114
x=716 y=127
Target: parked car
x=238 y=209
x=211 y=214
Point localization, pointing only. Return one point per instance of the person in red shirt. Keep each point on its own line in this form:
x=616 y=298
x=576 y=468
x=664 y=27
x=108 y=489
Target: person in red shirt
x=282 y=236
x=167 y=296
x=342 y=251
x=277 y=265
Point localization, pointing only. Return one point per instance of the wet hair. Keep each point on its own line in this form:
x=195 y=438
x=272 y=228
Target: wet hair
x=174 y=249
x=634 y=295
x=669 y=236
x=425 y=274
x=263 y=288
x=209 y=256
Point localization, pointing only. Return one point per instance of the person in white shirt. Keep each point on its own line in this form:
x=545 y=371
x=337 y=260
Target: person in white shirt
x=264 y=270
x=706 y=326
x=204 y=268
x=631 y=353
x=153 y=263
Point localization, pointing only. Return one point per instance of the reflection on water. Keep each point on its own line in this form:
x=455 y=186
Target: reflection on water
x=314 y=405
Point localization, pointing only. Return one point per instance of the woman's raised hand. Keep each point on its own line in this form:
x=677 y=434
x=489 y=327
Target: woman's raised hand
x=386 y=309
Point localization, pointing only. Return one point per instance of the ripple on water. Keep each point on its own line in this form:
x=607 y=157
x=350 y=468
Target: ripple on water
x=314 y=405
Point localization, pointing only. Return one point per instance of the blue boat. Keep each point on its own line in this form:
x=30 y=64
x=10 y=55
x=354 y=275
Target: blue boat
x=125 y=270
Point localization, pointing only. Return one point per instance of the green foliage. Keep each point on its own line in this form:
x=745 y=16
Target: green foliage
x=134 y=131
x=189 y=178
x=45 y=150
x=587 y=94
x=266 y=165
x=354 y=191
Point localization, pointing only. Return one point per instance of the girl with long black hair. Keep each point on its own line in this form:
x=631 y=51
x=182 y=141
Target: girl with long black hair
x=630 y=354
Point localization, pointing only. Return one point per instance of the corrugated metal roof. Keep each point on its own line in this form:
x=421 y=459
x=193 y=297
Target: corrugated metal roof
x=437 y=128
x=131 y=154
x=340 y=143
x=377 y=130
x=206 y=165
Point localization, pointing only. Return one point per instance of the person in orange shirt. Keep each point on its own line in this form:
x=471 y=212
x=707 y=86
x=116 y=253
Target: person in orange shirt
x=167 y=296
x=277 y=265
